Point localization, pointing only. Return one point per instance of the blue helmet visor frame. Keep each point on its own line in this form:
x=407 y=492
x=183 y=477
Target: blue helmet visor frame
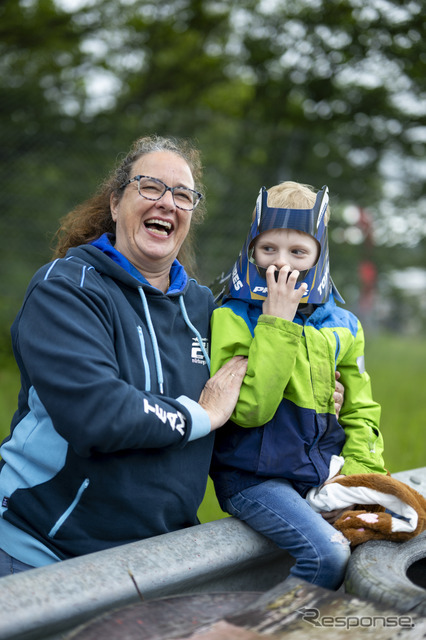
x=247 y=281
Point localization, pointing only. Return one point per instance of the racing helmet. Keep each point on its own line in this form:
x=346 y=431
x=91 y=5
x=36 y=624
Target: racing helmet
x=247 y=281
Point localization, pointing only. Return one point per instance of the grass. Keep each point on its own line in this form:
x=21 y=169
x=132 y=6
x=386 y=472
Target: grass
x=396 y=365
x=9 y=389
x=398 y=374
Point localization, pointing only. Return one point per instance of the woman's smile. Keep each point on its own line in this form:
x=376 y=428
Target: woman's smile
x=159 y=227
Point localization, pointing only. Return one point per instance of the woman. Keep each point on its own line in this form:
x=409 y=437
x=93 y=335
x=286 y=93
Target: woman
x=113 y=436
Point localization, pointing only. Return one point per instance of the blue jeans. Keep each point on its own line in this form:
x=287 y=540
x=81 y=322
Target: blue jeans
x=278 y=511
x=9 y=565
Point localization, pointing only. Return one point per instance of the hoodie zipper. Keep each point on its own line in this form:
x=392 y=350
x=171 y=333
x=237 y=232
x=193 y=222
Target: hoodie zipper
x=54 y=530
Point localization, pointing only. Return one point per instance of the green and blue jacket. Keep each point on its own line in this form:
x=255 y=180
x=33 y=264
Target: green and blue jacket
x=284 y=424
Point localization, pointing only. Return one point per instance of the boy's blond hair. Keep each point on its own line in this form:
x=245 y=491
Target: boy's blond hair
x=293 y=195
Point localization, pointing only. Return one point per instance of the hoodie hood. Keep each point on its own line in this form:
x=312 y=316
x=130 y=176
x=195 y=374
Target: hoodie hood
x=246 y=281
x=127 y=272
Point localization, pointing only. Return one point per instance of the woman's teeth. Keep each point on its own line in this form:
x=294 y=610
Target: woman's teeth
x=162 y=227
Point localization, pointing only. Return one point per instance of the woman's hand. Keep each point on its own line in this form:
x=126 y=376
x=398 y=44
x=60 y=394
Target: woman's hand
x=338 y=395
x=283 y=298
x=220 y=393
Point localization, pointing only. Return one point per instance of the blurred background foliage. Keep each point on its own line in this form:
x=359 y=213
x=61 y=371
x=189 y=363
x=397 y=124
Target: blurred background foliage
x=319 y=91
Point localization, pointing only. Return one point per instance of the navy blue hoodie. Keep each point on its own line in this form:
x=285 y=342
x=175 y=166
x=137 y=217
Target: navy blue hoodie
x=108 y=445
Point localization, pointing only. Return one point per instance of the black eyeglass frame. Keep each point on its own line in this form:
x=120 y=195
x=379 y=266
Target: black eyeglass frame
x=137 y=179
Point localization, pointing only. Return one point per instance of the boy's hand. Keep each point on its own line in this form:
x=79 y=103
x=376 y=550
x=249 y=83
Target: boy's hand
x=283 y=299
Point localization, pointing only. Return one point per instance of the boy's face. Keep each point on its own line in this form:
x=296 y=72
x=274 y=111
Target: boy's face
x=282 y=247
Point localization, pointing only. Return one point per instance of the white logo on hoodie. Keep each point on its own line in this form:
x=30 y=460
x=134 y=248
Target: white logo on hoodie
x=197 y=355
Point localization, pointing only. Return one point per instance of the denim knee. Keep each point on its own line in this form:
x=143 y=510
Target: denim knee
x=332 y=563
x=278 y=511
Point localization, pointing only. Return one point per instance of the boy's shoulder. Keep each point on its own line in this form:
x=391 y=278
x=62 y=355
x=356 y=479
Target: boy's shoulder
x=242 y=308
x=247 y=312
x=331 y=315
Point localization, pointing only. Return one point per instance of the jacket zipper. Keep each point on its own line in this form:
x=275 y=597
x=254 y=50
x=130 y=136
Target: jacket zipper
x=337 y=351
x=54 y=530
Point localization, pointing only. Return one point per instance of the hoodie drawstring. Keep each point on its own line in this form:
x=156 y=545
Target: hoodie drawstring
x=159 y=368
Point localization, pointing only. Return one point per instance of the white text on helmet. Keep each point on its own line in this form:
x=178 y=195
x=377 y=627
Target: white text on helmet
x=235 y=280
x=322 y=284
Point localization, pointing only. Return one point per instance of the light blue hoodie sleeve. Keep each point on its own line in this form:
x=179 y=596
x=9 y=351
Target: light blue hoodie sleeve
x=201 y=425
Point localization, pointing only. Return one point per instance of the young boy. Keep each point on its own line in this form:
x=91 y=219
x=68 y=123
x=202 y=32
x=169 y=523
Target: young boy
x=279 y=310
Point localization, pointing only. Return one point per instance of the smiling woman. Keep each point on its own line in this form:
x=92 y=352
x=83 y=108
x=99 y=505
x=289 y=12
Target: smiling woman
x=151 y=230
x=113 y=436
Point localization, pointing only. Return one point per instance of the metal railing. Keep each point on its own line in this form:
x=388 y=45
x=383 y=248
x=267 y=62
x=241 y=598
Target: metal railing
x=224 y=555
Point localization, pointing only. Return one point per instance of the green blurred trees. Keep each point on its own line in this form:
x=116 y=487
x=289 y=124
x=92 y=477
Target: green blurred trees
x=321 y=92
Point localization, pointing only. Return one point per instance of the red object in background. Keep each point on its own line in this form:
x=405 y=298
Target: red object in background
x=365 y=223
x=367 y=273
x=368 y=276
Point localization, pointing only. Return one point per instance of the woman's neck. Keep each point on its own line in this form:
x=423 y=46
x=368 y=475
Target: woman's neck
x=161 y=282
x=158 y=279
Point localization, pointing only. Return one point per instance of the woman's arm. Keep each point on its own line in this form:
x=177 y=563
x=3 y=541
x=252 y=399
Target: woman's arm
x=65 y=345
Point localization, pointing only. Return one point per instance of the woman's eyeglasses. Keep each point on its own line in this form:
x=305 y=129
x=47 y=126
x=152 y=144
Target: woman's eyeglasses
x=154 y=189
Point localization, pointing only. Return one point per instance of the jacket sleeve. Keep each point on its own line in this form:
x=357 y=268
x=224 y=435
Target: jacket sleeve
x=360 y=414
x=271 y=354
x=65 y=349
